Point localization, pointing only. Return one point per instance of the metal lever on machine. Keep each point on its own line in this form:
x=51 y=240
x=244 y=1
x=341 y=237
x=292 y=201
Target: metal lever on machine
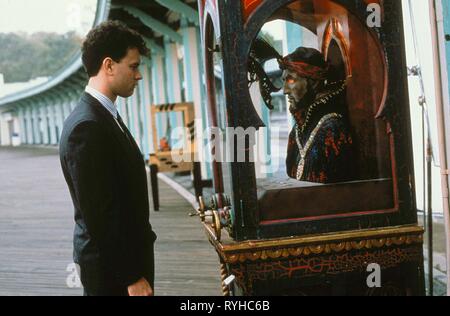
x=201 y=212
x=220 y=218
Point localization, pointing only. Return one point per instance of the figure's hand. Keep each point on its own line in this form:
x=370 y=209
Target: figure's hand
x=140 y=288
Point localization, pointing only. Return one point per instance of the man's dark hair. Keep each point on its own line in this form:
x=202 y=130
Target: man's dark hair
x=109 y=39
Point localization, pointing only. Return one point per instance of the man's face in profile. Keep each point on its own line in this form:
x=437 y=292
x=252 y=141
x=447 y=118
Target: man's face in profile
x=126 y=74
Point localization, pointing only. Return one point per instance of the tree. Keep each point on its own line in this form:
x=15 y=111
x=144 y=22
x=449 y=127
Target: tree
x=24 y=57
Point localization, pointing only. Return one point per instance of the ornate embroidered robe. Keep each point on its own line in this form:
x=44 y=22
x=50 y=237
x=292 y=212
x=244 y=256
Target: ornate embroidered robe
x=321 y=149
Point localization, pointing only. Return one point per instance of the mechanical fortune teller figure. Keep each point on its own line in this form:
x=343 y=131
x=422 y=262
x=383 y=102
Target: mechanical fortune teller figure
x=320 y=147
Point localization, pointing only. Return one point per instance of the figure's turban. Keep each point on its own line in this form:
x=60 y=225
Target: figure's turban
x=304 y=70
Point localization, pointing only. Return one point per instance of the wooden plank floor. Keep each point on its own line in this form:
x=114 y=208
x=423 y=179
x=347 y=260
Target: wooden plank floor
x=36 y=233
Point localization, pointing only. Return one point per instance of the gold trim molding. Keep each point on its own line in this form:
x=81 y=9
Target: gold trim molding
x=234 y=252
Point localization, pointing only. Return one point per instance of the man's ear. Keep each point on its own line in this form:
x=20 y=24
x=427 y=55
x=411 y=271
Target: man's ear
x=108 y=65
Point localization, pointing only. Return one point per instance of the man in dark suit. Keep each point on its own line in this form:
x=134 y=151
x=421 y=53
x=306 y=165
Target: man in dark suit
x=105 y=171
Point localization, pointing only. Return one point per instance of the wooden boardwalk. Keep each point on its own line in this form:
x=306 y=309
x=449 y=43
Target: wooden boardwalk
x=36 y=233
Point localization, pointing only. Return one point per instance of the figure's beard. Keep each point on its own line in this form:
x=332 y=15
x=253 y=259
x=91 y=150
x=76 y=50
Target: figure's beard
x=303 y=103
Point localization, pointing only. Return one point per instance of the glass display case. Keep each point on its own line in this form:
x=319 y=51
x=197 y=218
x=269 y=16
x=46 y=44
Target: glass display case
x=314 y=94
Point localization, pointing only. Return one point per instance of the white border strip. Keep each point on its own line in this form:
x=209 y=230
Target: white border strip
x=178 y=188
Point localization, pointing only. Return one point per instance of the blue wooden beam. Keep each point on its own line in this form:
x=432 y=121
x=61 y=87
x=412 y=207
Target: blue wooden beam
x=74 y=92
x=181 y=8
x=146 y=61
x=155 y=48
x=66 y=95
x=76 y=82
x=53 y=96
x=153 y=24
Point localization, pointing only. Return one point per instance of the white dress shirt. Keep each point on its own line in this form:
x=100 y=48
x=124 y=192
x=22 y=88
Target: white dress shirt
x=105 y=101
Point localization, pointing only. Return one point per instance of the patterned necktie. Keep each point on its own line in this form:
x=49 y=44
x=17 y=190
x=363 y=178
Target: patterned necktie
x=123 y=127
x=128 y=135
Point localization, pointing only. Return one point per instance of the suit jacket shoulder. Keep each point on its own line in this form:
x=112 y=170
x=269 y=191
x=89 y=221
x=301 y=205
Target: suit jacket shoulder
x=84 y=111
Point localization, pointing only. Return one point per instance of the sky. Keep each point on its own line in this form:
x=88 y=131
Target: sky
x=275 y=28
x=58 y=16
